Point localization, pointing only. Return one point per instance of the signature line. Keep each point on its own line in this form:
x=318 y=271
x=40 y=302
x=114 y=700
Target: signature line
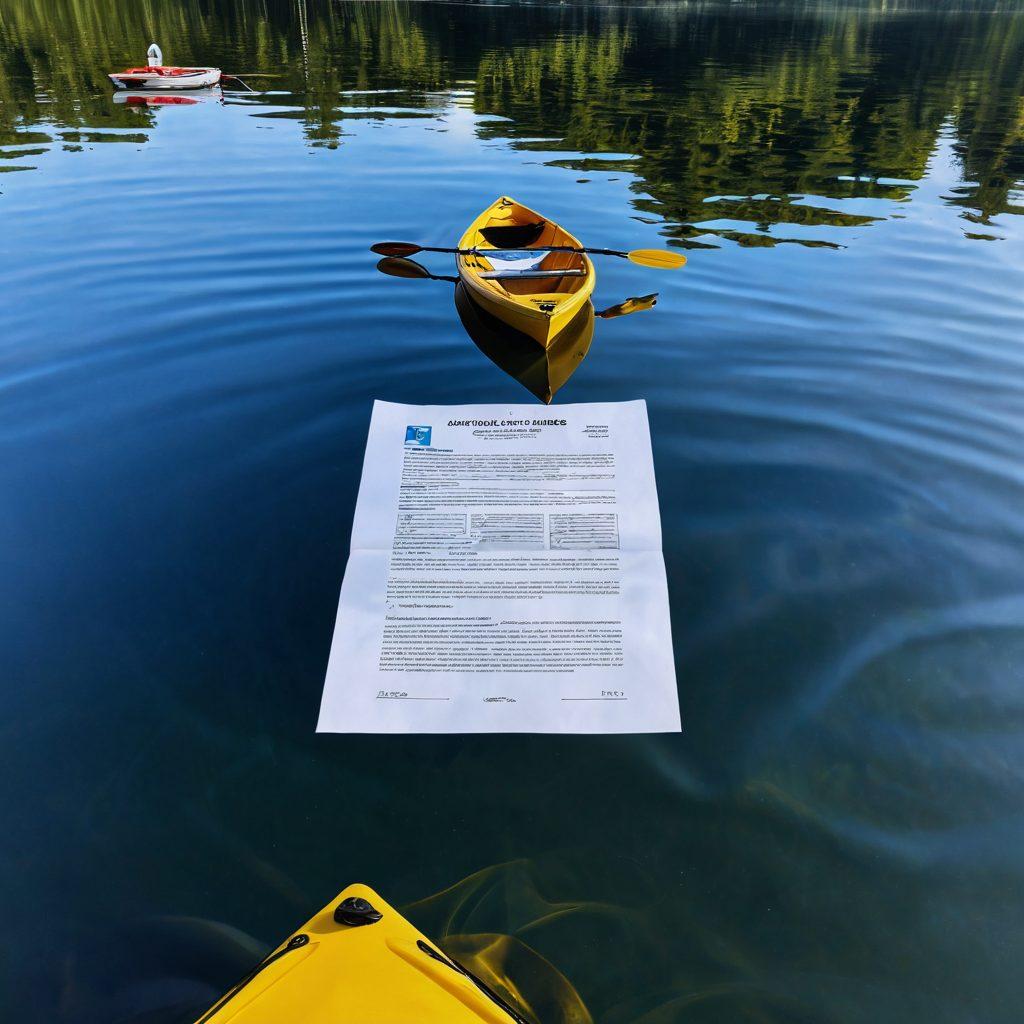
x=595 y=698
x=380 y=697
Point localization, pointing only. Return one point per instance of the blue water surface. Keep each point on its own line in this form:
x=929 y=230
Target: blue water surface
x=192 y=332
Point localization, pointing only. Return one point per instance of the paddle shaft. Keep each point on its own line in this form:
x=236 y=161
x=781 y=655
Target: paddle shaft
x=540 y=248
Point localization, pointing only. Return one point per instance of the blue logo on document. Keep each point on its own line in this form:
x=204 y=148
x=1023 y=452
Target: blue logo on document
x=417 y=435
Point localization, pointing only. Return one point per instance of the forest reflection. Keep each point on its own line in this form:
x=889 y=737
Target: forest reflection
x=712 y=112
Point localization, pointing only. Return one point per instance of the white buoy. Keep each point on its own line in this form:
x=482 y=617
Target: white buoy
x=156 y=57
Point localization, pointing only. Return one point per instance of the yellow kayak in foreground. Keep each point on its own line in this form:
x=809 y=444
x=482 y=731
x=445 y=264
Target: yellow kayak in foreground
x=538 y=304
x=358 y=961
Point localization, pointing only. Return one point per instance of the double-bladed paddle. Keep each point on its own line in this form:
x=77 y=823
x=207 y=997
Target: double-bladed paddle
x=660 y=259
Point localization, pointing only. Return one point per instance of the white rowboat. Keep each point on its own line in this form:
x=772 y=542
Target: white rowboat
x=165 y=78
x=158 y=77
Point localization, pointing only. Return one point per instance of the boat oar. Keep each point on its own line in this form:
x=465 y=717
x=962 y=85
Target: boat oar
x=661 y=259
x=634 y=304
x=397 y=266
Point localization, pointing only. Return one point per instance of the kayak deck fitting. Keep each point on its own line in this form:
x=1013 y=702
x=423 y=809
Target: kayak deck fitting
x=358 y=961
x=539 y=304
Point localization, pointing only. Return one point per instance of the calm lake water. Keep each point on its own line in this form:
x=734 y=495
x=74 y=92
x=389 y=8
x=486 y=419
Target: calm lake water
x=192 y=330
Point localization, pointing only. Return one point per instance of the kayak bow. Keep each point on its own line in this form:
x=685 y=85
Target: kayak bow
x=359 y=961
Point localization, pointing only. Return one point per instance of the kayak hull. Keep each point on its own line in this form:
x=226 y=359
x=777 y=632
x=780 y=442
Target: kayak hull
x=165 y=79
x=539 y=308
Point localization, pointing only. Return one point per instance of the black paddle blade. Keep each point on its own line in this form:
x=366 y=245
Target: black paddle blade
x=396 y=266
x=395 y=248
x=517 y=236
x=630 y=305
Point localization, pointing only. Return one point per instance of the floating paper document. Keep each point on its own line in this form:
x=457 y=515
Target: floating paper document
x=506 y=575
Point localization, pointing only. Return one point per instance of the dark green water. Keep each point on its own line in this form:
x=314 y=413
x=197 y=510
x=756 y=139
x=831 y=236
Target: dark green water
x=192 y=330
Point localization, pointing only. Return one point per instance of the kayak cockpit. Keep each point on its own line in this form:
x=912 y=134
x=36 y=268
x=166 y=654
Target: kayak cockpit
x=509 y=214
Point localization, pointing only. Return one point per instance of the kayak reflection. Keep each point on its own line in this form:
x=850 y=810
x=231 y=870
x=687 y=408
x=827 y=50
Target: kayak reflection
x=541 y=371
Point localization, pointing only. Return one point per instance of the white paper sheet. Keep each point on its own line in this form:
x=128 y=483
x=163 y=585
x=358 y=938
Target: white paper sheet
x=506 y=575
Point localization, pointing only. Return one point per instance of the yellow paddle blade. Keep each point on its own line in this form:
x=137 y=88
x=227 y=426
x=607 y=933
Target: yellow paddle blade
x=634 y=304
x=662 y=259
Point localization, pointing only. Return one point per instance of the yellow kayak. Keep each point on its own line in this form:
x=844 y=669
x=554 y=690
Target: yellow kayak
x=359 y=961
x=534 y=293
